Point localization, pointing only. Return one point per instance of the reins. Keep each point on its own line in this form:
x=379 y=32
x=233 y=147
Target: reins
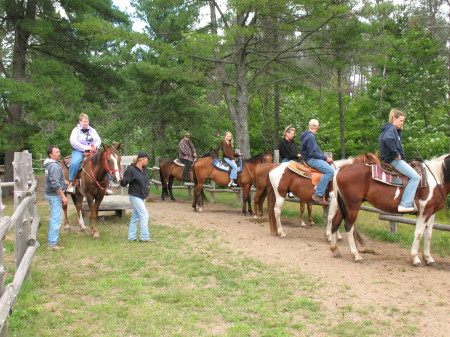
x=105 y=167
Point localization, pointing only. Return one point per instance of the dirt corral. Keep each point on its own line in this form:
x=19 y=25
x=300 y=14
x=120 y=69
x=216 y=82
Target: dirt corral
x=384 y=281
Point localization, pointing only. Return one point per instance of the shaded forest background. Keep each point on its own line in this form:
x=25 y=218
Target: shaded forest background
x=248 y=66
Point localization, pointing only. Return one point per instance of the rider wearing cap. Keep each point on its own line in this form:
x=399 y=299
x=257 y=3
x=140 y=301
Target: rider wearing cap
x=186 y=153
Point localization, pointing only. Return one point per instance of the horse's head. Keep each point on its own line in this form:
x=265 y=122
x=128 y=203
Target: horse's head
x=267 y=157
x=111 y=161
x=214 y=153
x=371 y=158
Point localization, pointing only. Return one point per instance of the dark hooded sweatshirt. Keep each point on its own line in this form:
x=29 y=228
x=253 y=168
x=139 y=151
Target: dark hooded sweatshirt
x=391 y=143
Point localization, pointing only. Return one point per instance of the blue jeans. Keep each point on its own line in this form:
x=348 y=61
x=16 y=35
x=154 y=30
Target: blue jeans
x=233 y=173
x=410 y=189
x=77 y=157
x=328 y=173
x=55 y=218
x=285 y=160
x=139 y=214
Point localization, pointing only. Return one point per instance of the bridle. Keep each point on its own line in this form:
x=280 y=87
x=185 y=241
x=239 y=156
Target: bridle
x=105 y=167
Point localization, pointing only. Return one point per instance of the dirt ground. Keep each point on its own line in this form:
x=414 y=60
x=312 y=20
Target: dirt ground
x=384 y=281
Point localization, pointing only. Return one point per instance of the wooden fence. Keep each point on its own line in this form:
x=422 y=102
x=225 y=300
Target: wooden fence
x=25 y=220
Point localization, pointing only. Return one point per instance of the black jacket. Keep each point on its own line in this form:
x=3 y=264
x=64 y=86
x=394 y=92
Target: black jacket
x=391 y=143
x=138 y=181
x=288 y=150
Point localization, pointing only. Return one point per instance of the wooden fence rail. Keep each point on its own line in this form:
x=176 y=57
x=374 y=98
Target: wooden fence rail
x=25 y=220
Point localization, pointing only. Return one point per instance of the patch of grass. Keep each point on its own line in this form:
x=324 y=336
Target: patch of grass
x=187 y=284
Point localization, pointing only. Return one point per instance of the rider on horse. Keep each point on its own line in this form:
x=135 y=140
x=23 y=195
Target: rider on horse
x=314 y=157
x=186 y=153
x=229 y=156
x=83 y=139
x=392 y=152
x=288 y=149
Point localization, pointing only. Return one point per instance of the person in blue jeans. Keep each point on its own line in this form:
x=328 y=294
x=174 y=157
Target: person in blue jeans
x=230 y=157
x=392 y=152
x=83 y=139
x=314 y=157
x=136 y=176
x=55 y=186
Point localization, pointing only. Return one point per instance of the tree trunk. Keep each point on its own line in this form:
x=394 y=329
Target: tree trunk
x=276 y=115
x=16 y=14
x=341 y=113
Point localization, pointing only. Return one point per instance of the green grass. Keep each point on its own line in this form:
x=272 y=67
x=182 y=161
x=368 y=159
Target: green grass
x=187 y=284
x=367 y=223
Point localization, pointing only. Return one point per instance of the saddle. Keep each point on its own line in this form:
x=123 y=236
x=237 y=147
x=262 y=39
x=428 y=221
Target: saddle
x=387 y=174
x=223 y=166
x=306 y=171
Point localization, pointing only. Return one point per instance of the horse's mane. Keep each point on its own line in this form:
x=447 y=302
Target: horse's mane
x=440 y=168
x=343 y=162
x=96 y=159
x=254 y=159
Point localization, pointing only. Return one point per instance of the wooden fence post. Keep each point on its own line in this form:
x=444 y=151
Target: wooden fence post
x=21 y=168
x=4 y=331
x=212 y=195
x=276 y=156
x=239 y=196
x=156 y=172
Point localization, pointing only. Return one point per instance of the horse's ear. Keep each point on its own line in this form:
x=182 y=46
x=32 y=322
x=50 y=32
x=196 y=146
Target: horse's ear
x=105 y=147
x=116 y=145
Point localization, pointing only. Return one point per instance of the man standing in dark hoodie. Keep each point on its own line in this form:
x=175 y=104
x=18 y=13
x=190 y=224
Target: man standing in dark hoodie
x=55 y=185
x=392 y=152
x=314 y=157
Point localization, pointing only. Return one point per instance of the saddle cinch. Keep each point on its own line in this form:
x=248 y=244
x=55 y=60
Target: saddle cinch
x=387 y=174
x=306 y=171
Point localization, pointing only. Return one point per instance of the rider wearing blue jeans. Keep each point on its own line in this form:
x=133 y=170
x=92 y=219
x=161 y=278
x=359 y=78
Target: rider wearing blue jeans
x=229 y=156
x=55 y=185
x=392 y=152
x=314 y=157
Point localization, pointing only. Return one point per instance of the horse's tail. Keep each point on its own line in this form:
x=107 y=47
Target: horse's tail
x=341 y=204
x=271 y=208
x=202 y=196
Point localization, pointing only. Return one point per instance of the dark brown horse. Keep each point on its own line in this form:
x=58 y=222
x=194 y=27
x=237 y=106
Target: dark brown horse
x=203 y=170
x=169 y=170
x=354 y=184
x=282 y=180
x=92 y=182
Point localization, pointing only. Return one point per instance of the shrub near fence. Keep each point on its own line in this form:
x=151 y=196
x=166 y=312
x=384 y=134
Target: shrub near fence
x=25 y=219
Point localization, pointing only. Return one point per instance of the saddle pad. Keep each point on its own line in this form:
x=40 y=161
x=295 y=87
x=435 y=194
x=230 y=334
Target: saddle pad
x=223 y=166
x=178 y=162
x=305 y=171
x=395 y=180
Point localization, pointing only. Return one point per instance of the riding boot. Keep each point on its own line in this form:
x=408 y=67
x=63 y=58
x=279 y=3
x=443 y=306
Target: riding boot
x=71 y=188
x=108 y=190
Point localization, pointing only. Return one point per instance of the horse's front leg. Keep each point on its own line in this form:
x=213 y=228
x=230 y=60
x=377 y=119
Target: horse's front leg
x=197 y=203
x=352 y=244
x=246 y=199
x=277 y=211
x=427 y=241
x=418 y=233
x=94 y=206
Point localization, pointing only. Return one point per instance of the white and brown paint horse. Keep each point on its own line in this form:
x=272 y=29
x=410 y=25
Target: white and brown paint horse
x=282 y=180
x=92 y=182
x=354 y=184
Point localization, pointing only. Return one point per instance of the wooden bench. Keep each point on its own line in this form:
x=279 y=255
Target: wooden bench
x=117 y=203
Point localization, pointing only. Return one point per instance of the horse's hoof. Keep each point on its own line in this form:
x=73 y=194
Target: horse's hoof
x=416 y=261
x=358 y=259
x=339 y=238
x=96 y=236
x=312 y=223
x=302 y=224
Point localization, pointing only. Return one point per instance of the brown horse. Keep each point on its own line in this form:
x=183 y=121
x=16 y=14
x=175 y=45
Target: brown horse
x=282 y=180
x=92 y=182
x=168 y=171
x=203 y=170
x=354 y=184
